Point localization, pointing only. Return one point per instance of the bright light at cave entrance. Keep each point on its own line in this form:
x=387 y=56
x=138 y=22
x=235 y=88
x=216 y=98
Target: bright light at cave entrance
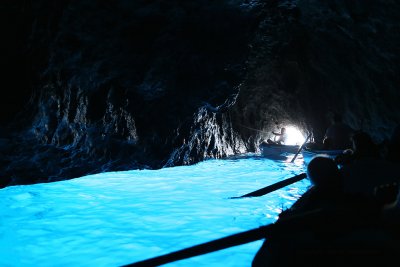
x=295 y=137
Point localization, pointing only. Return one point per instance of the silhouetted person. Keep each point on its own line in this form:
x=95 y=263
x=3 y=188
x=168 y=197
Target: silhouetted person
x=320 y=223
x=284 y=247
x=364 y=169
x=338 y=135
x=362 y=147
x=326 y=185
x=280 y=138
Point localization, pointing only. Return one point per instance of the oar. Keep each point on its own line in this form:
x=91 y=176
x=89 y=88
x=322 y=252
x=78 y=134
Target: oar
x=231 y=240
x=276 y=186
x=300 y=148
x=204 y=248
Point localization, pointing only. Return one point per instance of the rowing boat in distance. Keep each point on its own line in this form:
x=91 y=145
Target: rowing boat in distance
x=277 y=152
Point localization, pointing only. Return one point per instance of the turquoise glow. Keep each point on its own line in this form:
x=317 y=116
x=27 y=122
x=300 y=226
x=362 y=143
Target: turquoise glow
x=117 y=218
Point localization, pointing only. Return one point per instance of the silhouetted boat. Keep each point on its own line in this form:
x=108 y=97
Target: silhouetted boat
x=352 y=231
x=331 y=241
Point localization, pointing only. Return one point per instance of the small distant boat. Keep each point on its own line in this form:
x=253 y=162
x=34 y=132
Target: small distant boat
x=278 y=152
x=309 y=154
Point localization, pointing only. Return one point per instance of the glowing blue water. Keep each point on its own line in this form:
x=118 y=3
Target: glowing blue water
x=117 y=218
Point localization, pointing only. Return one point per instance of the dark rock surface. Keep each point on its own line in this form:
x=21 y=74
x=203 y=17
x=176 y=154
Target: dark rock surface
x=93 y=86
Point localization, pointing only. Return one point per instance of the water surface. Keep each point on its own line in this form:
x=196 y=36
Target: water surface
x=117 y=218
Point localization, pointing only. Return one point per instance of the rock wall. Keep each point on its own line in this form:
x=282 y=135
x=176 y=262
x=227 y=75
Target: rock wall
x=96 y=86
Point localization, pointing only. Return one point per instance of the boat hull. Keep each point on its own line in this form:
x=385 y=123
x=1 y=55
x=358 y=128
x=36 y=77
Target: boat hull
x=278 y=152
x=331 y=230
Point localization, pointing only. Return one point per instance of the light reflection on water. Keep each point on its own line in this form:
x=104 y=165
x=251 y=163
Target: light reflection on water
x=117 y=218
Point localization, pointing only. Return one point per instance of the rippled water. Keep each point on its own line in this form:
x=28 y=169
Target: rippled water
x=117 y=218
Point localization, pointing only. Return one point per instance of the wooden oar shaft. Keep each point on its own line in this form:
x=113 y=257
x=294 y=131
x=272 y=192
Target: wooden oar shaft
x=204 y=248
x=298 y=151
x=230 y=241
x=276 y=186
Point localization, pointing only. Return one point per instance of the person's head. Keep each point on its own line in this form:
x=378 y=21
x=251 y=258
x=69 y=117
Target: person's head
x=363 y=144
x=324 y=173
